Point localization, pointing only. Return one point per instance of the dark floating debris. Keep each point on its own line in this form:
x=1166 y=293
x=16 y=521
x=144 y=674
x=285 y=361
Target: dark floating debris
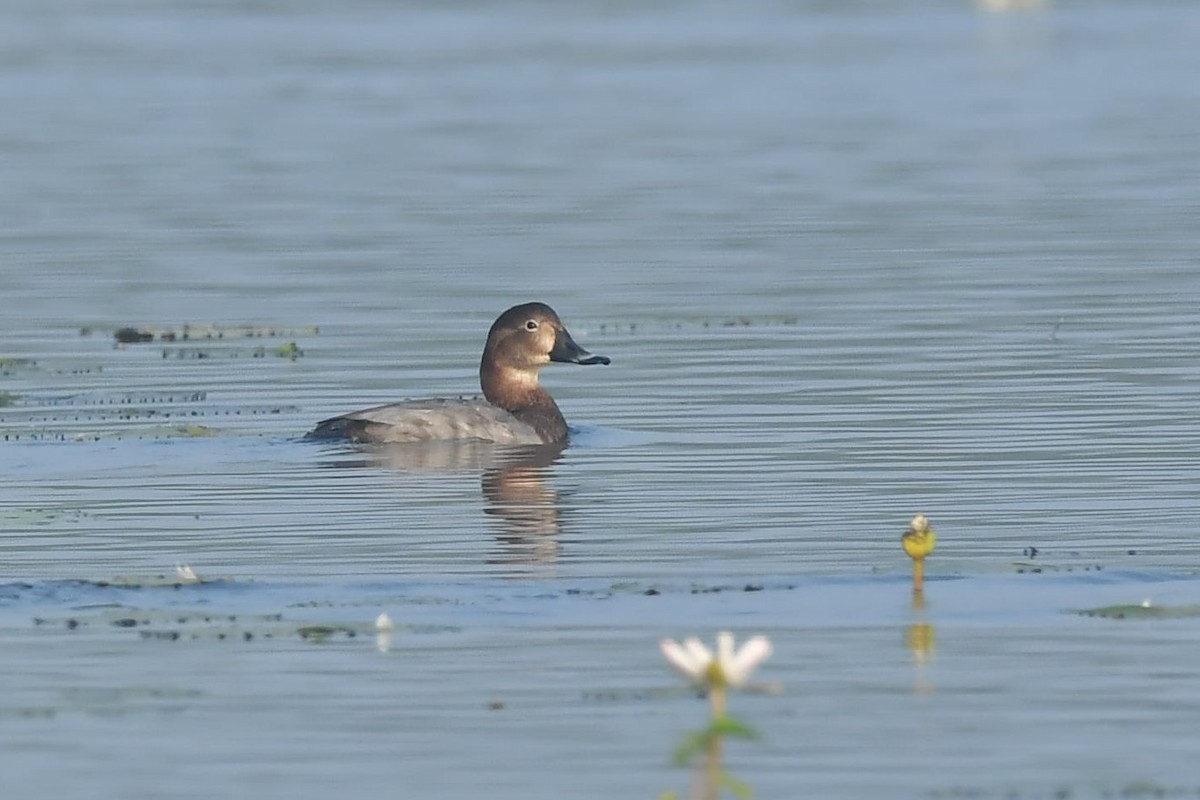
x=132 y=336
x=320 y=633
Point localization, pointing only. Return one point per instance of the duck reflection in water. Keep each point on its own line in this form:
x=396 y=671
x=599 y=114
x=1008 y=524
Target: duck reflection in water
x=525 y=510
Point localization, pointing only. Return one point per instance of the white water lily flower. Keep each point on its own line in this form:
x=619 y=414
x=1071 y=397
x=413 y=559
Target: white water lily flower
x=727 y=667
x=185 y=573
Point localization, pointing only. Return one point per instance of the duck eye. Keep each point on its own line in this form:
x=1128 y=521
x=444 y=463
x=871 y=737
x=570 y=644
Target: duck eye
x=531 y=325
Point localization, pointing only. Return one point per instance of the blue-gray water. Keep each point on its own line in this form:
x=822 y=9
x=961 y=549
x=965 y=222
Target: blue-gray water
x=851 y=262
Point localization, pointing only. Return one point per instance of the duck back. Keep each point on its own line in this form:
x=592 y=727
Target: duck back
x=429 y=420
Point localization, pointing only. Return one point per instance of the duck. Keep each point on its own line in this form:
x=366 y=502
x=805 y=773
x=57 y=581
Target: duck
x=515 y=408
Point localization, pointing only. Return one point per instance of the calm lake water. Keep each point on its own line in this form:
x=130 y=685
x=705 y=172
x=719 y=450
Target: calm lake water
x=851 y=261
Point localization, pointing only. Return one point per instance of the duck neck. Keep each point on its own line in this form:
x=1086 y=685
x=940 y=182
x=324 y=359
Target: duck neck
x=520 y=394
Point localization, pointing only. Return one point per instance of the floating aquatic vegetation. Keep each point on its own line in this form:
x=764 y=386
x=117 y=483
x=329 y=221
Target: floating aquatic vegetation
x=116 y=605
x=1143 y=610
x=34 y=408
x=109 y=701
x=742 y=321
x=175 y=625
x=627 y=588
x=122 y=415
x=24 y=517
x=1134 y=790
x=215 y=335
x=625 y=695
x=1040 y=561
x=180 y=576
x=12 y=366
x=248 y=628
x=186 y=432
x=19 y=367
x=139 y=334
x=158 y=433
x=132 y=336
x=137 y=398
x=1026 y=567
x=289 y=351
x=322 y=633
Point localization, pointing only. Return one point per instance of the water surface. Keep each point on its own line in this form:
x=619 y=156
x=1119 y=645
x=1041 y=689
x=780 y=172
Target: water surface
x=851 y=262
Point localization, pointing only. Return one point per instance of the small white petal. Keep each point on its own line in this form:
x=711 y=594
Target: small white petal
x=724 y=648
x=753 y=652
x=682 y=659
x=384 y=623
x=700 y=654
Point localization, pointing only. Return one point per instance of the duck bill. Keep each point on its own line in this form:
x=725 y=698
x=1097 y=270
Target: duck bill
x=567 y=352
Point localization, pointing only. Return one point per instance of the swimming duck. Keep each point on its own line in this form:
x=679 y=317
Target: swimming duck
x=514 y=409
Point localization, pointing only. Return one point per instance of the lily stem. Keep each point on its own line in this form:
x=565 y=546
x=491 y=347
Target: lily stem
x=712 y=767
